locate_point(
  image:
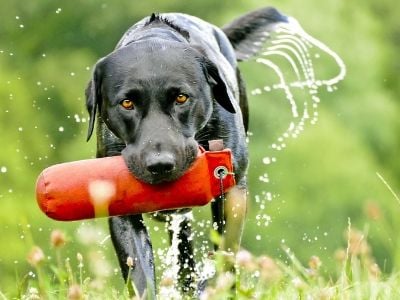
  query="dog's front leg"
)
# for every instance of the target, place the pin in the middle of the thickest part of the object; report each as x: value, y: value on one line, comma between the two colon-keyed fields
x: 130, y: 239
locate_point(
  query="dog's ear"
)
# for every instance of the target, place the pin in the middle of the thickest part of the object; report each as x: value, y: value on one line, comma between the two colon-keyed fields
x: 93, y: 98
x: 221, y: 92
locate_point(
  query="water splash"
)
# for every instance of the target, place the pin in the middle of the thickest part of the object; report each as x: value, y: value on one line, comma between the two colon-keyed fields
x: 292, y: 44
x: 205, y: 265
x: 171, y: 260
x: 291, y: 54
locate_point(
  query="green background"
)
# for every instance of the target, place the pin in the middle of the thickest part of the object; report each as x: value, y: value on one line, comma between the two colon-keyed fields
x: 320, y: 181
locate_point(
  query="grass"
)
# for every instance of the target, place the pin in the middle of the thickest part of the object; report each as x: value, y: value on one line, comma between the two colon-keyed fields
x: 254, y: 277
x: 240, y: 276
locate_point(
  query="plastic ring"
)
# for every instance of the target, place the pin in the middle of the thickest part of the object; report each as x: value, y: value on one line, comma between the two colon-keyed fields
x: 220, y: 172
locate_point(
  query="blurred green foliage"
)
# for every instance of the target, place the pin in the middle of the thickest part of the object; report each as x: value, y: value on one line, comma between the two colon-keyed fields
x: 321, y: 179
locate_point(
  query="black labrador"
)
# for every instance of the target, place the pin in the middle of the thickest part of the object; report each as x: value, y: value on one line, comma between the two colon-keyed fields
x: 171, y: 84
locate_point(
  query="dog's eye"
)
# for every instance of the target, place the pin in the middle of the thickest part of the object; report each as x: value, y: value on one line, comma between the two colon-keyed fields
x: 181, y: 98
x: 127, y: 104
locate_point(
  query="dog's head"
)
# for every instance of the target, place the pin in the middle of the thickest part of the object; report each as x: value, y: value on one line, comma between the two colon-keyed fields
x: 155, y: 96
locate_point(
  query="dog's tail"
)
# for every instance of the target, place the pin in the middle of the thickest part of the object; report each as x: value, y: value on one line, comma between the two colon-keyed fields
x: 248, y: 32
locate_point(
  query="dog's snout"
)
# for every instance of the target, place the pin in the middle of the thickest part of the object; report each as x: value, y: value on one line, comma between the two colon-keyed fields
x: 160, y: 163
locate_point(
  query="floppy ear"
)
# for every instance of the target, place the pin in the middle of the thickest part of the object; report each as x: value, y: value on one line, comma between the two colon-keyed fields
x: 93, y: 99
x: 220, y: 91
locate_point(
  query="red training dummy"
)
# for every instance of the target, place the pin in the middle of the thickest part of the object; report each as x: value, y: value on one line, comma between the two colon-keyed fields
x: 104, y: 187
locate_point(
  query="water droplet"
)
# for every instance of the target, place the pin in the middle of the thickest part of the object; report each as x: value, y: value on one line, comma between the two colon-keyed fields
x: 264, y: 178
x: 60, y: 129
x: 267, y: 88
x: 267, y: 160
x: 268, y: 196
x: 3, y: 169
x: 256, y: 92
x: 58, y: 10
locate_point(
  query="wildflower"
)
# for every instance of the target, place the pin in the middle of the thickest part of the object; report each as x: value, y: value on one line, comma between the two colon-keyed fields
x: 75, y: 292
x: 374, y: 271
x: 244, y: 259
x: 57, y: 238
x: 298, y: 283
x: 270, y: 271
x: 373, y: 211
x: 35, y: 256
x: 340, y: 255
x: 357, y: 245
x: 79, y: 257
x: 314, y: 263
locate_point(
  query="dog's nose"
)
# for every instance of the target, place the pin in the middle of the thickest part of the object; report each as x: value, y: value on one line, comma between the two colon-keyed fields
x: 160, y: 163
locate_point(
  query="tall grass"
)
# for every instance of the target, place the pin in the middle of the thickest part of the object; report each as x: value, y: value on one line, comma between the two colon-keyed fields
x: 240, y: 276
x: 254, y: 277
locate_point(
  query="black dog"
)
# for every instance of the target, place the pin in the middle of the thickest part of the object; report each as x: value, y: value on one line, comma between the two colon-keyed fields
x: 172, y: 84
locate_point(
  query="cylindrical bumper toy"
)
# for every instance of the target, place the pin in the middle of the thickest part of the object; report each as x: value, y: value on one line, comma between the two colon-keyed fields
x: 104, y: 187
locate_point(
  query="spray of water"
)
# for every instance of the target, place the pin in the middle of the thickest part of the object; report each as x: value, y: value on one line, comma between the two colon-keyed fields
x: 293, y: 44
x: 288, y: 56
x: 171, y: 260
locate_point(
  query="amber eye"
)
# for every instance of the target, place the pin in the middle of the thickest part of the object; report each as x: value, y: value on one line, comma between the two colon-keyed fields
x: 181, y: 98
x: 127, y: 104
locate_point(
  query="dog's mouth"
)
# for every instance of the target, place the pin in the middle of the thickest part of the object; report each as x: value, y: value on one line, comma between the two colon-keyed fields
x: 163, y: 171
x: 158, y: 177
x: 168, y: 176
